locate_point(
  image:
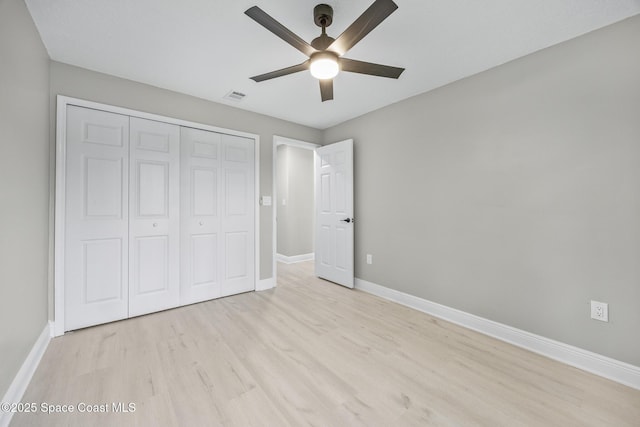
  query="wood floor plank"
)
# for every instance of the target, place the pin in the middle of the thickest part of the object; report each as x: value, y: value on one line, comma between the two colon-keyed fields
x: 310, y: 352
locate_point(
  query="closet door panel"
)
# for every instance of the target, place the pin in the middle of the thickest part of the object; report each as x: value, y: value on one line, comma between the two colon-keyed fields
x: 200, y: 215
x: 96, y: 220
x: 237, y: 222
x: 154, y: 217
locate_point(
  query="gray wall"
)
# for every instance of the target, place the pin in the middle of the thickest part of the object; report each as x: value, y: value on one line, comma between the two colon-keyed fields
x: 24, y: 187
x: 90, y: 85
x: 514, y: 194
x: 295, y: 185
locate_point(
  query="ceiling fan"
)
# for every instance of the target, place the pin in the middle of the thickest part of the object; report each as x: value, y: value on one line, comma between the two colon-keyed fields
x: 325, y: 52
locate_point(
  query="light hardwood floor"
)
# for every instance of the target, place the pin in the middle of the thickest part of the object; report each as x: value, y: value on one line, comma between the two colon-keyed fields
x: 312, y: 353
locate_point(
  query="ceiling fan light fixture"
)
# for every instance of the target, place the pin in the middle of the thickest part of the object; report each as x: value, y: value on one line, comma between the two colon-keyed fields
x: 324, y: 65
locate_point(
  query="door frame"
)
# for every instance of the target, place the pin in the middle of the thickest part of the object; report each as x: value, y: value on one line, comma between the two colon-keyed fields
x: 60, y: 185
x: 278, y: 141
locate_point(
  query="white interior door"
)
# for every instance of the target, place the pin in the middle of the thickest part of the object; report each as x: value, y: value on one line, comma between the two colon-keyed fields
x: 237, y: 258
x: 201, y: 244
x: 96, y: 220
x: 154, y: 228
x: 334, y: 212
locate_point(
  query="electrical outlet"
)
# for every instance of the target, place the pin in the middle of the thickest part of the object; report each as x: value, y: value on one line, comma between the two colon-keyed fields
x: 600, y: 311
x: 369, y: 259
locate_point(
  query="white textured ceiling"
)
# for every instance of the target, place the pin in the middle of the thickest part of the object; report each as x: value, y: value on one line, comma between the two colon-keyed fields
x: 207, y: 48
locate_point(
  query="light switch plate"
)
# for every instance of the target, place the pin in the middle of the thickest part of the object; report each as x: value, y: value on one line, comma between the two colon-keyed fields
x: 265, y: 200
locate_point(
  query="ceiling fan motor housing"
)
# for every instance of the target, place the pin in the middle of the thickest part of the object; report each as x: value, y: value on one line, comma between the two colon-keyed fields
x: 323, y: 15
x: 322, y: 42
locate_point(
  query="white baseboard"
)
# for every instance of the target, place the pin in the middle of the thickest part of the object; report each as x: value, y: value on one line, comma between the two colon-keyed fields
x: 264, y: 284
x: 23, y: 377
x: 296, y: 258
x: 603, y: 366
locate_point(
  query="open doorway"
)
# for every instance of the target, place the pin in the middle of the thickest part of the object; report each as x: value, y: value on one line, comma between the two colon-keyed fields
x: 293, y: 200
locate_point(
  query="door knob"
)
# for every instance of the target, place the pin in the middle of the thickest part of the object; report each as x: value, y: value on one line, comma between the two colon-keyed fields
x: 201, y: 223
x: 348, y: 220
x: 155, y: 224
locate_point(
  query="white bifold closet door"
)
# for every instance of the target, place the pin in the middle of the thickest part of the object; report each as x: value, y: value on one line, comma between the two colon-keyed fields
x: 238, y: 182
x: 200, y: 219
x: 97, y: 218
x: 154, y: 216
x: 217, y: 215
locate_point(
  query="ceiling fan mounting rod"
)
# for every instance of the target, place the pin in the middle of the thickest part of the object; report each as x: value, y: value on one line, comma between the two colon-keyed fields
x: 323, y: 17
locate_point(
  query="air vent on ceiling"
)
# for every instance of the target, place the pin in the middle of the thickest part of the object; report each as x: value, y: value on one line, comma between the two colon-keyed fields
x: 235, y: 96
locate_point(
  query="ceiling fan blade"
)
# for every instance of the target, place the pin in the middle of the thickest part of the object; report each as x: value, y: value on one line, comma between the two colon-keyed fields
x: 262, y: 18
x: 370, y: 68
x: 282, y: 72
x: 371, y: 18
x: 326, y: 89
